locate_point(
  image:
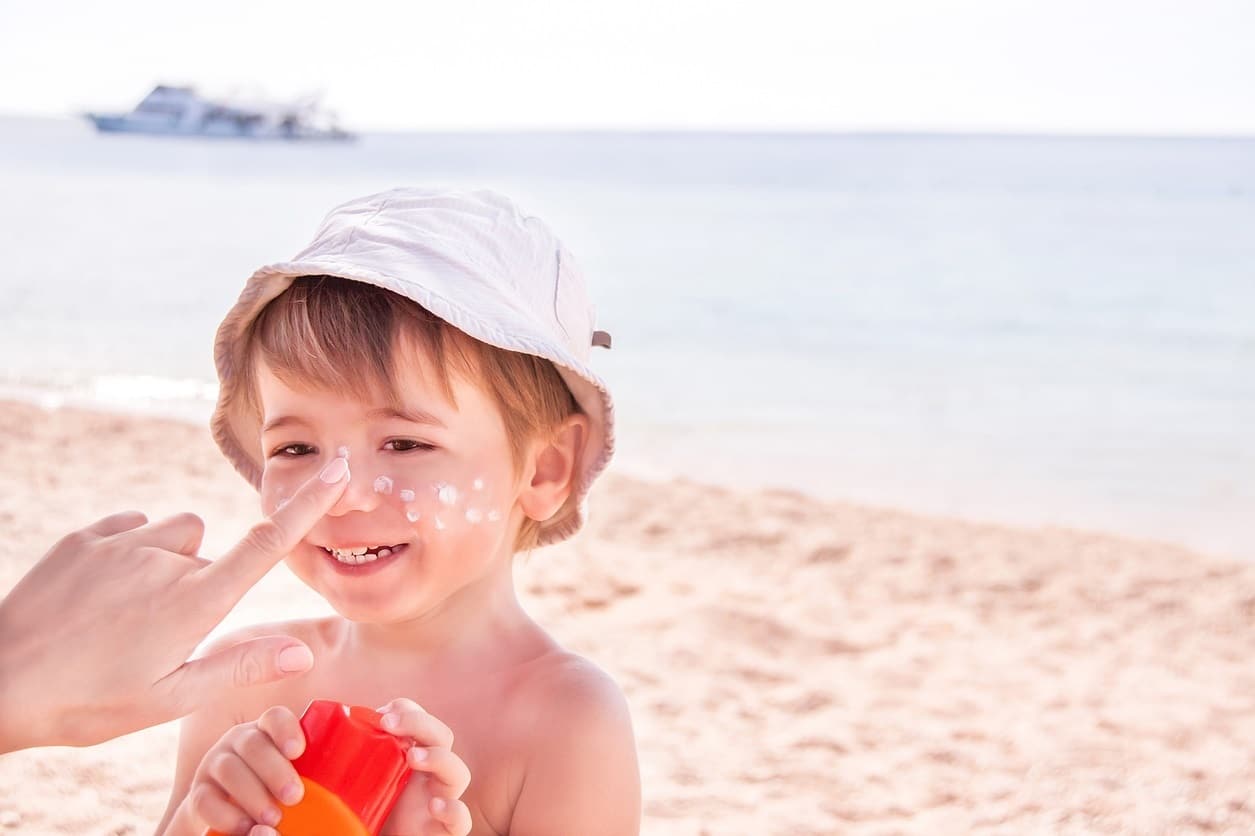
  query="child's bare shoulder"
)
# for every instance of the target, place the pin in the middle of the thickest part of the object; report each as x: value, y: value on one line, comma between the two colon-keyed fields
x: 570, y: 703
x: 561, y: 681
x: 574, y: 732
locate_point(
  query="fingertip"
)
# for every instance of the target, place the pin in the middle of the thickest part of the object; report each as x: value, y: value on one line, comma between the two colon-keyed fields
x: 115, y: 524
x: 292, y: 793
x: 128, y: 520
x: 187, y: 518
x: 185, y: 521
x: 182, y: 533
x: 438, y: 806
x: 337, y: 470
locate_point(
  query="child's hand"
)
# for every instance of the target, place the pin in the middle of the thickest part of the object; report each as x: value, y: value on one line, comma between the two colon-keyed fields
x: 430, y: 804
x: 245, y: 775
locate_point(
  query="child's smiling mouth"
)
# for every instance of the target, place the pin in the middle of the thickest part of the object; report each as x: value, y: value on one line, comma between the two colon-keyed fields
x: 353, y: 559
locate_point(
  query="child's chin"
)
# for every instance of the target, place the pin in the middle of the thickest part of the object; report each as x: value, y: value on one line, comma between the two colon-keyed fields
x: 381, y: 606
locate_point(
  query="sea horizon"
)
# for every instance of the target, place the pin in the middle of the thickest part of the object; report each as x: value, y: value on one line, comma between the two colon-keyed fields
x: 1017, y: 329
x: 905, y: 132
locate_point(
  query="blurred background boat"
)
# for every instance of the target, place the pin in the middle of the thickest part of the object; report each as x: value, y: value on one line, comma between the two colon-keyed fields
x: 181, y: 111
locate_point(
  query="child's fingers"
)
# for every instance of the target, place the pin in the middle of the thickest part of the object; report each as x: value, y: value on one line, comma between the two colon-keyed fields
x: 447, y: 773
x: 244, y: 788
x: 211, y: 806
x: 282, y: 726
x: 452, y: 813
x: 276, y: 773
x: 405, y: 718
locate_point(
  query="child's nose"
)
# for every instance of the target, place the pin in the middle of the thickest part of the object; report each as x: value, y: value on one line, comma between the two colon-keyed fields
x: 360, y: 495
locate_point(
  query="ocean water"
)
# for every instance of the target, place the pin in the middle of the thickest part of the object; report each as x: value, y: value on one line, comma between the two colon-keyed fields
x: 1032, y: 330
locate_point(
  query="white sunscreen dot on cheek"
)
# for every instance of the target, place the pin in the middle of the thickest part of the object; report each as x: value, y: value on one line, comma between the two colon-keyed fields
x: 342, y: 452
x: 474, y: 515
x: 439, y: 524
x: 413, y: 516
x: 446, y: 493
x: 494, y: 515
x: 478, y: 484
x: 383, y: 485
x: 407, y: 495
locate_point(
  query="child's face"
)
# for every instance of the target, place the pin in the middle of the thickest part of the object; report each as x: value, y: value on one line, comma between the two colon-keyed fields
x: 432, y: 493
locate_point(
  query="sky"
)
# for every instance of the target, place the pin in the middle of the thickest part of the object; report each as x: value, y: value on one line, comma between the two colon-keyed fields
x: 1067, y: 66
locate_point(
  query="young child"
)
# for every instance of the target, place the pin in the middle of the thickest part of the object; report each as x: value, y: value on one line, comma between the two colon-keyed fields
x: 436, y: 345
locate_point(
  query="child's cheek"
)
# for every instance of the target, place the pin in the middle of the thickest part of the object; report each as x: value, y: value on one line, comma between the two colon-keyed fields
x: 273, y: 496
x: 279, y: 482
x: 438, y: 502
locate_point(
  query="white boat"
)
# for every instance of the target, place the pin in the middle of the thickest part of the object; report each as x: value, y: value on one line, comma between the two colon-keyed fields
x: 181, y: 111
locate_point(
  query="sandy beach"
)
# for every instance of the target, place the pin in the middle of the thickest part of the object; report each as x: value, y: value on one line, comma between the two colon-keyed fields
x: 793, y: 666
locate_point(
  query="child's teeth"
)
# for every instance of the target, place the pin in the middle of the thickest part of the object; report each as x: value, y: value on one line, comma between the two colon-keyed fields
x: 360, y: 555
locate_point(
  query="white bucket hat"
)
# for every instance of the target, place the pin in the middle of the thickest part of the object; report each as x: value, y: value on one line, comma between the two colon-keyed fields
x: 475, y: 260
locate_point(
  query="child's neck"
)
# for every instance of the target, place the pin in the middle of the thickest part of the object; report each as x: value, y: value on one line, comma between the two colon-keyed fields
x: 480, y: 618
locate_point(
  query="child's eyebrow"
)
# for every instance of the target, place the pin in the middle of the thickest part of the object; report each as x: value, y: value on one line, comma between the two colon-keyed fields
x: 416, y: 416
x: 283, y: 421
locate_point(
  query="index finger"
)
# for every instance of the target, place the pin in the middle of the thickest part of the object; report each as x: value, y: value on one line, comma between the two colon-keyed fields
x: 268, y: 542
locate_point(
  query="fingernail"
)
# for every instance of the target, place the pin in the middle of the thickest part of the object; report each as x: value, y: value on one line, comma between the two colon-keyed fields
x: 437, y: 805
x: 295, y: 659
x: 335, y: 470
x: 270, y: 816
x: 264, y: 831
x: 292, y: 749
x: 418, y: 754
x: 390, y: 721
x: 292, y: 793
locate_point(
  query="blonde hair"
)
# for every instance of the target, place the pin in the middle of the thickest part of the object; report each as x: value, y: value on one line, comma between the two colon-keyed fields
x: 341, y: 335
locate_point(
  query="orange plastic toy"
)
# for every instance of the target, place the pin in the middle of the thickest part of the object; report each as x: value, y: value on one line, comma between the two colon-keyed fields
x: 352, y: 770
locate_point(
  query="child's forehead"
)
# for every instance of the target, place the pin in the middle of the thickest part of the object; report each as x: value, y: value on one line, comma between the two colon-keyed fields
x: 417, y: 384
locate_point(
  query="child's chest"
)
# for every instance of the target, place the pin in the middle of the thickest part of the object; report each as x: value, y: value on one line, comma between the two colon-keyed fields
x: 478, y: 715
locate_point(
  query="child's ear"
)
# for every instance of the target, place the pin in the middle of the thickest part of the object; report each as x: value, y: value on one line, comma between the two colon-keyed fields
x: 551, y: 469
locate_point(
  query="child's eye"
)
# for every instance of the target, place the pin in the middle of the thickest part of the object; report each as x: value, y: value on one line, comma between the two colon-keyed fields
x: 292, y: 451
x: 406, y: 445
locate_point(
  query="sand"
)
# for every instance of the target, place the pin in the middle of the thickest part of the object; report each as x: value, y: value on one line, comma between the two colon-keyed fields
x: 793, y: 666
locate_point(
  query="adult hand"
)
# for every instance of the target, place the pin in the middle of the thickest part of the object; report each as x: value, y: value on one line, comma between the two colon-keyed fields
x: 95, y: 639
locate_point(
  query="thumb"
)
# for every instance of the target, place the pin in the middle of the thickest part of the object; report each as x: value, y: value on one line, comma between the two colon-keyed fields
x: 227, y: 579
x: 251, y: 662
